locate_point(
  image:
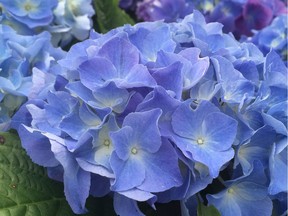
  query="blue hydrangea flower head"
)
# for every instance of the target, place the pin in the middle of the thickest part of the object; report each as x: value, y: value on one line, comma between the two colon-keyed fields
x: 152, y: 112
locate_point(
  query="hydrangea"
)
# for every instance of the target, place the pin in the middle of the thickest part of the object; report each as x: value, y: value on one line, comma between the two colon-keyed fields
x: 244, y: 195
x: 33, y: 13
x: 200, y: 135
x: 273, y: 36
x: 65, y: 20
x: 72, y: 19
x: 21, y: 55
x: 239, y: 17
x: 156, y: 112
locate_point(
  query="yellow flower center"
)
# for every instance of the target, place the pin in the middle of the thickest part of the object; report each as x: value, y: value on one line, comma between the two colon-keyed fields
x: 107, y: 142
x: 200, y: 141
x: 28, y: 6
x: 134, y: 151
x: 231, y: 191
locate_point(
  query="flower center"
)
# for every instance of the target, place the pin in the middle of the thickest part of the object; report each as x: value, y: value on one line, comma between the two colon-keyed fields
x: 200, y: 141
x: 231, y: 190
x: 107, y: 142
x: 134, y: 151
x: 28, y: 7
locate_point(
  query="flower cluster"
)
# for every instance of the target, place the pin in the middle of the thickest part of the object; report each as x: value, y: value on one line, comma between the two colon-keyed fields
x: 65, y: 19
x: 156, y: 112
x: 238, y: 16
x: 273, y: 36
x: 19, y: 56
x: 28, y: 59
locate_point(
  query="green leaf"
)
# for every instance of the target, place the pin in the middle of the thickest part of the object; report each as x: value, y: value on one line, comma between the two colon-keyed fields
x: 109, y: 15
x: 25, y: 189
x: 203, y: 210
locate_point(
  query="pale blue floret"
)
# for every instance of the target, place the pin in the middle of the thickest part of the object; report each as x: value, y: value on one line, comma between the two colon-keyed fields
x: 204, y: 135
x: 33, y: 13
x: 72, y: 19
x: 97, y: 148
x: 150, y: 41
x: 19, y: 56
x: 256, y: 148
x: 244, y: 195
x: 140, y: 155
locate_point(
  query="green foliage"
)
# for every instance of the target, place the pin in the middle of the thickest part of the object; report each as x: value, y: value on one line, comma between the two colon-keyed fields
x: 25, y: 189
x: 203, y: 210
x: 109, y: 15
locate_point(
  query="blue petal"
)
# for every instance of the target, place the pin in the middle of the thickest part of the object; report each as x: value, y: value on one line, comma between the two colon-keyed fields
x: 110, y: 96
x: 151, y: 42
x: 97, y: 72
x: 256, y: 149
x: 187, y: 122
x: 126, y: 206
x: 100, y: 186
x: 225, y: 204
x: 145, y: 127
x: 219, y: 130
x: 80, y: 90
x: 170, y: 78
x: 159, y: 98
x: 76, y: 181
x: 37, y: 146
x: 122, y: 54
x: 139, y: 195
x: 123, y: 141
x: 162, y: 171
x: 138, y: 76
x: 128, y: 174
x: 278, y: 171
